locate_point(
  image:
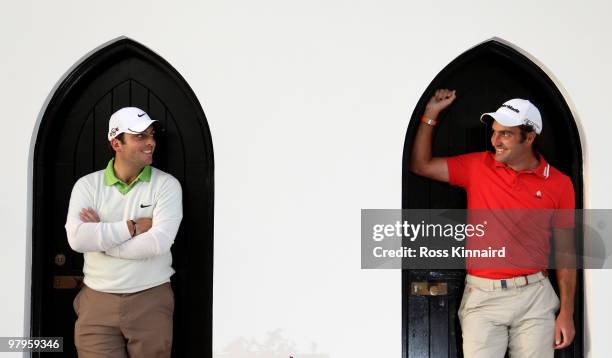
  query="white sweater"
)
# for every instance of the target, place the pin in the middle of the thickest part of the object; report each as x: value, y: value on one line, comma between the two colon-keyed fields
x: 114, y: 261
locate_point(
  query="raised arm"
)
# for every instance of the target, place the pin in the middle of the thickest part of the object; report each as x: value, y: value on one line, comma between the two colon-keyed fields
x: 421, y: 161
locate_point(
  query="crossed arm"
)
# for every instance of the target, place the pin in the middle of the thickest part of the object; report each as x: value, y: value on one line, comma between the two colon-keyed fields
x: 154, y: 236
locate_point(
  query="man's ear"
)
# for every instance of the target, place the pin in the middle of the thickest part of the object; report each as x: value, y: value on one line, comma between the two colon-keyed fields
x: 531, y: 137
x: 115, y: 144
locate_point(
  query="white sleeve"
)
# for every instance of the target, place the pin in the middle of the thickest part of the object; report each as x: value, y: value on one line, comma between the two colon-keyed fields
x: 167, y: 216
x: 89, y: 237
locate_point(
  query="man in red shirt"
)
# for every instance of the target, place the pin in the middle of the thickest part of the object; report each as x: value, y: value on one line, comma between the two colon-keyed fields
x: 511, y: 305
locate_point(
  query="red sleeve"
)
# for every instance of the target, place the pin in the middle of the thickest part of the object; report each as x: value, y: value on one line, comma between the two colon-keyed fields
x: 564, y: 215
x: 461, y: 167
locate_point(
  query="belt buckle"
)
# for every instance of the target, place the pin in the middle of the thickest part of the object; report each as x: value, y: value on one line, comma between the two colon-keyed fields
x: 517, y: 284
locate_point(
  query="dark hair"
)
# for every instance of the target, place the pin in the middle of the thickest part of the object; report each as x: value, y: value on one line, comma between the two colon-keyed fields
x: 526, y: 129
x: 119, y: 137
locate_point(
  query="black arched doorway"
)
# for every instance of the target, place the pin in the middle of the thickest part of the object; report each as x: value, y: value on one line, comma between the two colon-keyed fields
x: 484, y: 77
x: 71, y: 142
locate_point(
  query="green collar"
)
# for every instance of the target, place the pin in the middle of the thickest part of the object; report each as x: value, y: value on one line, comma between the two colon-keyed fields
x: 111, y: 179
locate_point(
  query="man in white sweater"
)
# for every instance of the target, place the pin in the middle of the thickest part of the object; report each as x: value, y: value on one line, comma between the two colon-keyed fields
x: 124, y: 220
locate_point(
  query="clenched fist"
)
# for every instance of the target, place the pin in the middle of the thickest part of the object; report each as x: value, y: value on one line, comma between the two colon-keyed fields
x: 438, y: 102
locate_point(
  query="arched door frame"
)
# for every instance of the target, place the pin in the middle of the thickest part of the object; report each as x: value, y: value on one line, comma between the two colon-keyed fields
x: 535, y: 69
x: 87, y: 69
x: 30, y: 183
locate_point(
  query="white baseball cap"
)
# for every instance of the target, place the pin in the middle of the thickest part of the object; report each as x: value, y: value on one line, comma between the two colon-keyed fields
x: 516, y: 112
x: 128, y: 120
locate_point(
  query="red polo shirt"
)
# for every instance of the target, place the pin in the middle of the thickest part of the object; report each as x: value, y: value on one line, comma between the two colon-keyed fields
x: 493, y: 185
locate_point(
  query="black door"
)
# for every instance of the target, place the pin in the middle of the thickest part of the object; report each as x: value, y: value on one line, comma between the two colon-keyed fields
x: 484, y: 77
x: 72, y: 142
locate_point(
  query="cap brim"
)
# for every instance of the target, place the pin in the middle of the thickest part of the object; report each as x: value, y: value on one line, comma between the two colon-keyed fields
x: 141, y: 127
x: 501, y: 118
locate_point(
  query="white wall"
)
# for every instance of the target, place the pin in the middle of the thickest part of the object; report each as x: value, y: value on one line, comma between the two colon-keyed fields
x: 308, y: 103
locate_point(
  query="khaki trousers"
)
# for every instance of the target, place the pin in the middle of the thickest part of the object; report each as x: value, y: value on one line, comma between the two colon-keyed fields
x: 519, y: 318
x: 124, y: 325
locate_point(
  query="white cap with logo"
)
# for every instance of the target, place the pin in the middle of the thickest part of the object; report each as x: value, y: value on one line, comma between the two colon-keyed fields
x: 516, y: 112
x: 128, y: 120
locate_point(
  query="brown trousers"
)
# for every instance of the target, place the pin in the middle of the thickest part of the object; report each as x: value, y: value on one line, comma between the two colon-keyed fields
x: 132, y: 325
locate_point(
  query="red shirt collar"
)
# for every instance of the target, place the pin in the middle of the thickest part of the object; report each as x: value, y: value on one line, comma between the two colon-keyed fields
x: 542, y: 170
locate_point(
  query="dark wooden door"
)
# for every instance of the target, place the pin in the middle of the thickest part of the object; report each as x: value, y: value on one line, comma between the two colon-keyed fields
x: 72, y: 142
x: 484, y: 77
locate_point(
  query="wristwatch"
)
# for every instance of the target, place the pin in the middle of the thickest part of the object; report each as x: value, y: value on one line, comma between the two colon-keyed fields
x: 134, y: 226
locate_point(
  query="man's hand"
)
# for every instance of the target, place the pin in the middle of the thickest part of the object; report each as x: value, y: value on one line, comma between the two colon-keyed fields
x: 440, y: 100
x: 88, y: 215
x: 564, y: 330
x: 143, y: 225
